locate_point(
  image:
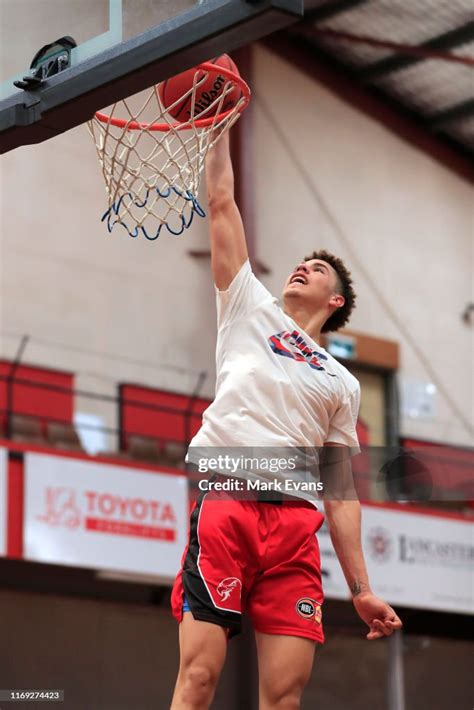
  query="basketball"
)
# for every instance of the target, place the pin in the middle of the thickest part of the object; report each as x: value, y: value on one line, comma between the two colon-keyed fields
x: 207, y: 92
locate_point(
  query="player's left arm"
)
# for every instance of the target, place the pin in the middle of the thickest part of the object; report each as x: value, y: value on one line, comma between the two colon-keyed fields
x: 343, y: 514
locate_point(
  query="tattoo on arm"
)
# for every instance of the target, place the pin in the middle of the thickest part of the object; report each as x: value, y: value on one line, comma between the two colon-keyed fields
x: 355, y: 588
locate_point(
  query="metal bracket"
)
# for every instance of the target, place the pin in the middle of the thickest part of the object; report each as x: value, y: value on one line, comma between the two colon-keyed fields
x: 50, y: 60
x: 28, y: 82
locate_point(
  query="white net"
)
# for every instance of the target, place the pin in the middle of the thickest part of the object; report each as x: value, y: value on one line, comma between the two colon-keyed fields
x: 151, y: 164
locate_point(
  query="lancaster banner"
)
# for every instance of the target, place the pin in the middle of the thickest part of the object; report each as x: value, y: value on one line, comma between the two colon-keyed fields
x: 3, y: 501
x: 106, y: 517
x: 413, y: 559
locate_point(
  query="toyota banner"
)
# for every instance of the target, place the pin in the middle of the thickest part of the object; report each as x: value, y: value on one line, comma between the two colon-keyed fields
x: 104, y: 516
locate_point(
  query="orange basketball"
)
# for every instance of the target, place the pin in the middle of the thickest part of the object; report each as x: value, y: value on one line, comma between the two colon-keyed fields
x: 206, y: 93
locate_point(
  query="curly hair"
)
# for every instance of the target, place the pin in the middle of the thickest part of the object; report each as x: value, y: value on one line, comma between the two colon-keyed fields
x: 344, y: 287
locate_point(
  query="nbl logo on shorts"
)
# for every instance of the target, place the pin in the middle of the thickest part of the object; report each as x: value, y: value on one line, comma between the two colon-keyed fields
x: 309, y: 609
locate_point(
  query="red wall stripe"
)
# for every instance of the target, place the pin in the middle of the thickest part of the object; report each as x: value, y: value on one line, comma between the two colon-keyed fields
x: 15, y: 487
x: 418, y: 510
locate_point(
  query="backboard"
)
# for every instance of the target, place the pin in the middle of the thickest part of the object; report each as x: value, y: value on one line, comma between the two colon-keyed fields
x: 123, y: 46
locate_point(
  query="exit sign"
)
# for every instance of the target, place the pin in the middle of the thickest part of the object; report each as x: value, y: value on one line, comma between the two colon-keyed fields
x: 341, y: 346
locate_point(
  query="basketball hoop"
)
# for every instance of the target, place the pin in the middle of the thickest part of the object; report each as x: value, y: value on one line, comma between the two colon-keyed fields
x: 151, y: 163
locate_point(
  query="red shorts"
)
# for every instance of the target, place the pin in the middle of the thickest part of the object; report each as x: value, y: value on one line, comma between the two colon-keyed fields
x: 253, y: 557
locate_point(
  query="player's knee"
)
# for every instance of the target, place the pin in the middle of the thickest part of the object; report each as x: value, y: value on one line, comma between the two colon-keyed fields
x: 198, y: 681
x: 285, y: 695
x: 288, y: 700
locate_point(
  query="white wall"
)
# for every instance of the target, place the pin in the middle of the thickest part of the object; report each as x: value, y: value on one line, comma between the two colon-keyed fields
x: 112, y: 308
x: 329, y: 176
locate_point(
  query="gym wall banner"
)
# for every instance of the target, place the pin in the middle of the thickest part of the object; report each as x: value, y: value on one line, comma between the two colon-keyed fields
x: 413, y: 559
x: 3, y: 501
x: 103, y: 516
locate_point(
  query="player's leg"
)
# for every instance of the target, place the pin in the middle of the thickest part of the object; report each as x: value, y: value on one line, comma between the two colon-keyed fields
x: 202, y: 648
x: 285, y: 603
x: 284, y: 667
x: 206, y: 595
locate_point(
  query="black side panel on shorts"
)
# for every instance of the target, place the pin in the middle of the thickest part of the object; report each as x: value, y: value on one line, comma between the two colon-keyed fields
x: 200, y: 602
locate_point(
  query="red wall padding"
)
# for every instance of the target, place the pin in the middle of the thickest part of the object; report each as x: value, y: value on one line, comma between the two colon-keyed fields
x: 450, y: 467
x: 165, y: 425
x: 15, y: 499
x: 38, y: 401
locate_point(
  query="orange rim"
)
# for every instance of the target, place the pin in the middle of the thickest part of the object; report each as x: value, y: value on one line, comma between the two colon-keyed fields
x: 199, y: 123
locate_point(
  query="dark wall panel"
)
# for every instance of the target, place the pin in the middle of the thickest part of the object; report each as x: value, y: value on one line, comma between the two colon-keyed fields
x: 124, y: 656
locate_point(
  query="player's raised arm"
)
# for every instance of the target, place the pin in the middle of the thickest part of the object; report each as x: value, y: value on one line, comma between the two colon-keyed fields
x: 228, y: 245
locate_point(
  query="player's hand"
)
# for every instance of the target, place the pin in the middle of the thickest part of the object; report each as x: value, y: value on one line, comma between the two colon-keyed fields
x: 377, y: 614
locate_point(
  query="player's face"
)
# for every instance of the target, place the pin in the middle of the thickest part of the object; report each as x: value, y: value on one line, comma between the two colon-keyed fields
x: 314, y: 280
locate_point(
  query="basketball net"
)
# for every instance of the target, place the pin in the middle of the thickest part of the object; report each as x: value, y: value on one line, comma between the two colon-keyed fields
x: 152, y: 165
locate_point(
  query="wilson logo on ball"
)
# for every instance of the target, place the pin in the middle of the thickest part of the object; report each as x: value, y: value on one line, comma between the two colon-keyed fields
x: 207, y: 97
x: 209, y: 87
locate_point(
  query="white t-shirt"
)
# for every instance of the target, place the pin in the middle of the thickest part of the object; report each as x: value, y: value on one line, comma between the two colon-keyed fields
x: 275, y: 386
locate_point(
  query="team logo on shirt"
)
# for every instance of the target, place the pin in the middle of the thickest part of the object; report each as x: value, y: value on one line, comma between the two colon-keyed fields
x: 309, y: 609
x: 294, y: 346
x: 227, y: 586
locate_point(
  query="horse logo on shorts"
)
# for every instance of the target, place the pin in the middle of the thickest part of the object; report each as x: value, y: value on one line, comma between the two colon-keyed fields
x: 227, y: 586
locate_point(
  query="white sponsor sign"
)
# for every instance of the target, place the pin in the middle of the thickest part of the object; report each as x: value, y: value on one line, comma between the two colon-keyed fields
x: 413, y: 560
x: 103, y: 516
x: 3, y: 501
